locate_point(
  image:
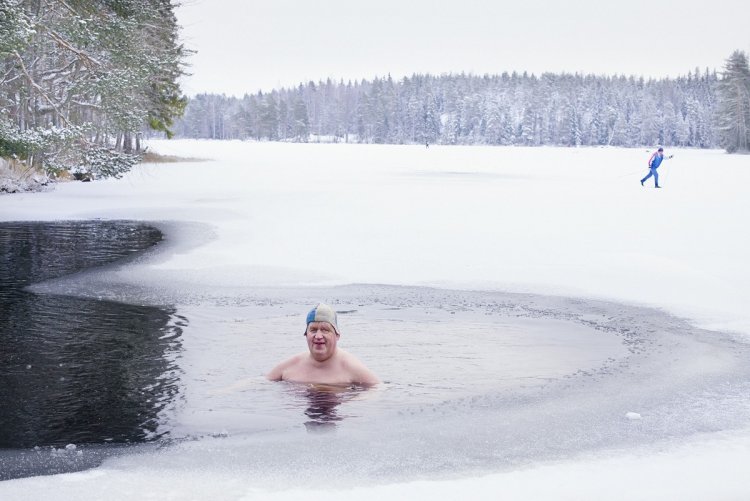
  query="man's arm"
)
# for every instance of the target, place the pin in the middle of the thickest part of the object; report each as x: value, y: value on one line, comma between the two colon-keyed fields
x: 367, y: 377
x: 359, y: 373
x: 277, y: 373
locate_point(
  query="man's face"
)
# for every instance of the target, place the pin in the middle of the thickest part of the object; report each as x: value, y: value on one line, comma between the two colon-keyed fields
x: 321, y: 340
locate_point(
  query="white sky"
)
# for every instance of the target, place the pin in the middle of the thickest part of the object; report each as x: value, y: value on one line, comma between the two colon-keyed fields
x: 250, y: 45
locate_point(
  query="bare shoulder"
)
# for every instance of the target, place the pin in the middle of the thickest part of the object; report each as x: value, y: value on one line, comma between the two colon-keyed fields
x: 357, y: 370
x: 276, y: 374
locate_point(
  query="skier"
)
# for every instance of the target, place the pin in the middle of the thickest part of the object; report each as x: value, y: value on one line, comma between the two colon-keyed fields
x: 653, y: 163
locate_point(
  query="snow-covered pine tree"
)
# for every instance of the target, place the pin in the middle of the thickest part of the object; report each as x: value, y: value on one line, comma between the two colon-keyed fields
x: 733, y: 114
x: 81, y: 79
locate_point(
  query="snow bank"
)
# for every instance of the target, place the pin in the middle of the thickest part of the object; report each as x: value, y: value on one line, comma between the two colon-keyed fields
x: 14, y: 180
x: 709, y: 468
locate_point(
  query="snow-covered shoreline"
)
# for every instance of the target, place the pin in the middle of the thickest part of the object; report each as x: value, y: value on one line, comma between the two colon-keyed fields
x: 15, y: 180
x: 547, y: 221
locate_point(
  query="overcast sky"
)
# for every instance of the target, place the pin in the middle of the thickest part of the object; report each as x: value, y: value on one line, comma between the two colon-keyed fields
x: 247, y: 45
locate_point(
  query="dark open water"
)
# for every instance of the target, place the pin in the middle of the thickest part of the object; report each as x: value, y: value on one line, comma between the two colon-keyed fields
x: 72, y: 370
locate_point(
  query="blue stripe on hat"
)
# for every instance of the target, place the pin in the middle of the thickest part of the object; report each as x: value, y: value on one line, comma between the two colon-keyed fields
x: 323, y: 313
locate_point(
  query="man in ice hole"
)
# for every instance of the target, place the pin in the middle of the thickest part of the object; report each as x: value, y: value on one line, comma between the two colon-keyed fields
x: 325, y: 363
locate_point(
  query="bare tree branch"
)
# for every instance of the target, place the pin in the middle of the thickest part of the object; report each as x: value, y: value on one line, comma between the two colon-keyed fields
x: 39, y: 88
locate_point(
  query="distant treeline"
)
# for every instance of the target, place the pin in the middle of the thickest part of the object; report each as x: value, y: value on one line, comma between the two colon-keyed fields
x: 506, y: 109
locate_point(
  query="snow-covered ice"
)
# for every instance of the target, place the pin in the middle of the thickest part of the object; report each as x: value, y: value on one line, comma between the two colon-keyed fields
x: 567, y: 223
x: 553, y: 220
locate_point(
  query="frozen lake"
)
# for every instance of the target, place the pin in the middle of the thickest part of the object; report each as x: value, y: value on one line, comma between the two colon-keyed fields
x: 540, y: 306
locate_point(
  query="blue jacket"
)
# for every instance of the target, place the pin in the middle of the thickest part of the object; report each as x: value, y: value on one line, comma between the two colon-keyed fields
x: 655, y: 161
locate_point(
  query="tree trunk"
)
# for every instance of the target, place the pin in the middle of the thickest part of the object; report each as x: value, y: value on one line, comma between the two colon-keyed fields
x: 127, y: 142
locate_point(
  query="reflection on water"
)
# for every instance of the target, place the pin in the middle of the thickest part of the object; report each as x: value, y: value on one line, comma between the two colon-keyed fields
x: 322, y: 404
x: 77, y: 370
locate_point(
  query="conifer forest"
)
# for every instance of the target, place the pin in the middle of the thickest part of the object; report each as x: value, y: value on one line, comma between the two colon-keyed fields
x: 503, y: 109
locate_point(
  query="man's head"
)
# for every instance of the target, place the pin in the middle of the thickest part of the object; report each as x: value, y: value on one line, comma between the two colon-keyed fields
x: 660, y: 150
x: 322, y: 332
x: 323, y: 313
